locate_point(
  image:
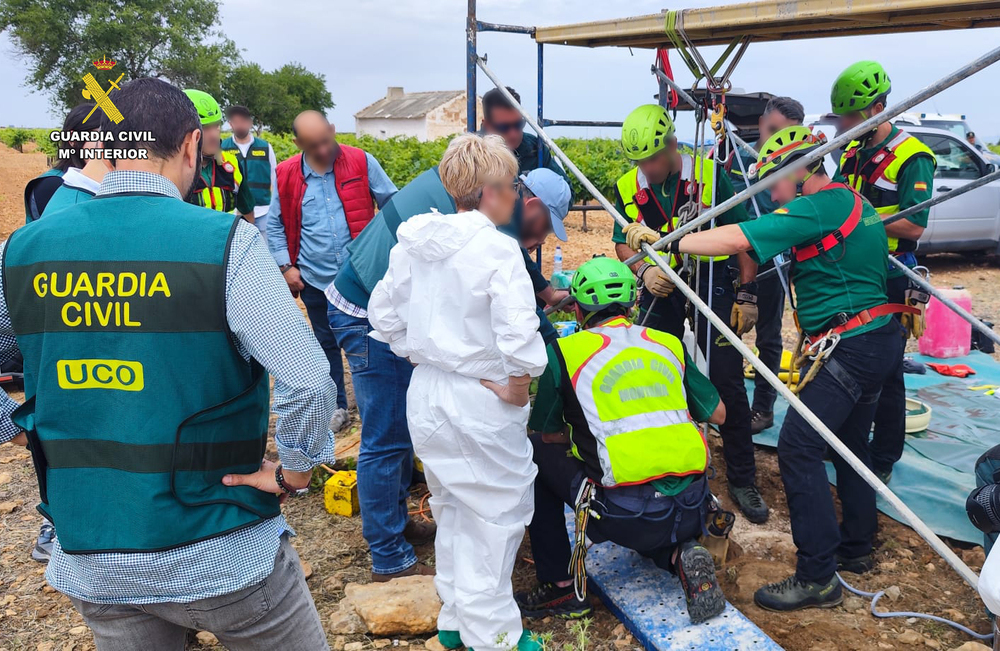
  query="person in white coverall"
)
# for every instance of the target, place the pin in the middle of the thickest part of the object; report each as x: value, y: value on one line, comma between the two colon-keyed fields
x: 458, y: 303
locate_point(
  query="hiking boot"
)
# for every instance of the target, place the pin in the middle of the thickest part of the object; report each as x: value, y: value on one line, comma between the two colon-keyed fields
x: 696, y: 570
x: 761, y: 420
x: 43, y: 545
x: 750, y: 502
x: 792, y: 594
x: 417, y: 569
x: 419, y: 533
x: 549, y: 599
x: 450, y: 640
x: 856, y: 565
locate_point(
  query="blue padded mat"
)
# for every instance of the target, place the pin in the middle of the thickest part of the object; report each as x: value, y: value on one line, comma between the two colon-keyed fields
x: 650, y: 602
x: 936, y: 473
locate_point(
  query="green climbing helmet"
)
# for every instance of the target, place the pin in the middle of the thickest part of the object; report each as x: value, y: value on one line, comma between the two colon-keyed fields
x: 646, y: 131
x: 603, y: 282
x: 858, y: 87
x: 208, y: 108
x: 784, y: 147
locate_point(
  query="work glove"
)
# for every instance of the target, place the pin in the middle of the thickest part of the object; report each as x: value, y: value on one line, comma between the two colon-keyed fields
x: 915, y: 323
x: 515, y: 392
x: 656, y: 281
x: 636, y: 234
x: 744, y: 314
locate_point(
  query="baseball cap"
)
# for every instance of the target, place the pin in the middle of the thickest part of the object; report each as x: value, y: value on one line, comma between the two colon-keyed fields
x: 554, y: 192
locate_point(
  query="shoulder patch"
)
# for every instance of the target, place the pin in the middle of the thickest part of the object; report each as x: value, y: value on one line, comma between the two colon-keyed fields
x: 228, y: 167
x: 920, y: 185
x: 781, y: 211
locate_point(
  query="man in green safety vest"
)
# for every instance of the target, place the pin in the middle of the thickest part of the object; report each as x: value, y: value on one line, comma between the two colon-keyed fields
x: 894, y: 171
x: 258, y: 161
x: 614, y: 413
x: 220, y: 184
x: 839, y: 246
x: 656, y: 196
x: 149, y: 329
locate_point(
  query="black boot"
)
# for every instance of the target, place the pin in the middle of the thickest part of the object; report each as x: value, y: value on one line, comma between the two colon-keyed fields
x: 696, y: 570
x: 792, y: 594
x: 549, y: 599
x: 750, y: 502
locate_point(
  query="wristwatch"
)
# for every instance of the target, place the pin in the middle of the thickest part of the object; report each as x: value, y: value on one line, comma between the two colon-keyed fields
x: 285, y: 267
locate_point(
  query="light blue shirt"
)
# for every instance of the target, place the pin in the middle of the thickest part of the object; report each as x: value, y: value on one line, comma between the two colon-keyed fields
x: 268, y: 326
x: 325, y: 234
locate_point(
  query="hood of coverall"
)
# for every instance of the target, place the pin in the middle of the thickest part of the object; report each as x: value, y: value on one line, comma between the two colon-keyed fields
x: 435, y: 236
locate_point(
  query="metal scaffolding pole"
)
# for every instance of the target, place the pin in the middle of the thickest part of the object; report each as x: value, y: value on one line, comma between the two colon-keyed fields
x: 838, y: 446
x: 817, y: 153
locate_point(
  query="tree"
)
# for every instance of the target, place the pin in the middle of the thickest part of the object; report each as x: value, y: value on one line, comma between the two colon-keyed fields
x: 275, y: 98
x: 176, y: 40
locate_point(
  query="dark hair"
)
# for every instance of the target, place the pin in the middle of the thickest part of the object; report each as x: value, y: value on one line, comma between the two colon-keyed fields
x: 607, y: 313
x: 237, y: 109
x: 788, y: 107
x: 496, y: 99
x: 74, y: 122
x: 155, y: 106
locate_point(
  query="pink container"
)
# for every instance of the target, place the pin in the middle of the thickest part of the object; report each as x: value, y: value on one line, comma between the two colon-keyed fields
x: 947, y: 334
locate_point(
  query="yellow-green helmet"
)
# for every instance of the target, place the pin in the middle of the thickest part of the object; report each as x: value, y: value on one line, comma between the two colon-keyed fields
x: 646, y: 131
x: 208, y: 108
x: 783, y: 147
x: 603, y: 282
x: 858, y: 87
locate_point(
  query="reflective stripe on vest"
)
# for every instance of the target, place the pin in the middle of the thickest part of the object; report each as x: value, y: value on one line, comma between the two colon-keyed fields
x: 629, y: 381
x: 877, y: 180
x: 630, y: 183
x: 257, y: 163
x: 220, y: 193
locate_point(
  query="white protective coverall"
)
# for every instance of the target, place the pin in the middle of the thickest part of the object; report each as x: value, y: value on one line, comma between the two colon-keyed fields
x: 458, y: 302
x: 989, y: 580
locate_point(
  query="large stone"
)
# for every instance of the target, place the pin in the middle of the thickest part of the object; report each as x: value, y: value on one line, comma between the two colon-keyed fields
x: 972, y: 646
x: 205, y: 638
x: 345, y: 620
x: 909, y: 636
x: 406, y: 606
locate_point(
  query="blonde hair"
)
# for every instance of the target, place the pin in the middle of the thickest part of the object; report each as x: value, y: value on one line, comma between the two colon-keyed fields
x: 472, y: 162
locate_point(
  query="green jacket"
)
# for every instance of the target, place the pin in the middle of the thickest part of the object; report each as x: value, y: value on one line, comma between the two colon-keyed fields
x: 136, y: 399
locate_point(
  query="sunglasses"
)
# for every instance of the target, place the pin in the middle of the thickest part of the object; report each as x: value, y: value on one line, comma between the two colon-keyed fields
x: 509, y: 126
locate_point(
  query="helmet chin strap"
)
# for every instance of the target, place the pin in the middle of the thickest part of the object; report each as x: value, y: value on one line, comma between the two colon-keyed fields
x: 800, y: 184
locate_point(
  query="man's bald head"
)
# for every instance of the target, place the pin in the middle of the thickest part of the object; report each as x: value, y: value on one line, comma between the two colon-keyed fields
x: 316, y: 137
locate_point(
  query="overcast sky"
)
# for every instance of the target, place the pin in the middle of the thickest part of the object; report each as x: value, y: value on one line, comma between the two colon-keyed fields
x: 363, y: 46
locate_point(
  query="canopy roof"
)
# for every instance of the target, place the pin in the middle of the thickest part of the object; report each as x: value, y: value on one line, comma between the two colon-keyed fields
x: 779, y: 20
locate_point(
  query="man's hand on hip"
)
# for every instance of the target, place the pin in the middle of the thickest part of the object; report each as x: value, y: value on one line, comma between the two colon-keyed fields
x: 264, y: 479
x: 294, y: 280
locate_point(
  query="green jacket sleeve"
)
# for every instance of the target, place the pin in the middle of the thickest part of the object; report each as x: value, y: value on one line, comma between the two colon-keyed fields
x: 701, y: 394
x: 547, y: 413
x: 916, y: 185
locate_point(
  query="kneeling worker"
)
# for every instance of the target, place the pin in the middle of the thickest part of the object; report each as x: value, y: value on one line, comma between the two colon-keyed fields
x: 839, y: 246
x: 611, y: 416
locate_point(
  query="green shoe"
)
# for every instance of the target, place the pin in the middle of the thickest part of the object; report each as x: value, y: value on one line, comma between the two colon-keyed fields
x: 450, y: 639
x: 792, y: 594
x: 750, y: 502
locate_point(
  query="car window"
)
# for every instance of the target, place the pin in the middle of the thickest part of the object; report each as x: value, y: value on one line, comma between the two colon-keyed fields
x: 954, y: 160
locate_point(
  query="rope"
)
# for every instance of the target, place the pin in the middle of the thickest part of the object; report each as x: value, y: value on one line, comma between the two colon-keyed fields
x: 875, y: 596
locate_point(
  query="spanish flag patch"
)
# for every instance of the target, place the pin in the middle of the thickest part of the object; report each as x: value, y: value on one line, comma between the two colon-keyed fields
x: 781, y: 211
x: 919, y: 185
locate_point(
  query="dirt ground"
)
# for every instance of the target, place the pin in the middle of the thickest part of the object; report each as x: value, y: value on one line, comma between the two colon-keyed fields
x: 35, y: 617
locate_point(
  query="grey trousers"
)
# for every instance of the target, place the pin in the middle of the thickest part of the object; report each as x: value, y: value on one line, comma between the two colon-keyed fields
x: 277, y: 613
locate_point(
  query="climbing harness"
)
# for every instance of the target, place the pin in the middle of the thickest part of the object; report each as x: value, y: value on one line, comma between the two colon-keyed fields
x: 578, y: 560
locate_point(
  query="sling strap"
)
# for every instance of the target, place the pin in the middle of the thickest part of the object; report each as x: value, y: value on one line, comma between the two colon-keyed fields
x: 837, y: 236
x: 864, y: 317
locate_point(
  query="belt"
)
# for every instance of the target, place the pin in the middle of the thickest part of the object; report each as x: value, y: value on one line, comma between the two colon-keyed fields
x: 843, y: 323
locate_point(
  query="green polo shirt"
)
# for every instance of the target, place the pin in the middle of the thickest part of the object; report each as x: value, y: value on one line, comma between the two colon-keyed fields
x: 664, y: 194
x: 914, y: 185
x: 848, y: 278
x: 557, y: 406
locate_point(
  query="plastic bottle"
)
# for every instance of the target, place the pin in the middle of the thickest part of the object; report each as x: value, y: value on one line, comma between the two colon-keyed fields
x: 557, y: 261
x: 947, y: 334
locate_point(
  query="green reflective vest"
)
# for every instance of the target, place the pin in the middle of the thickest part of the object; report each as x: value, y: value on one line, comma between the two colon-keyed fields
x: 216, y: 185
x: 631, y: 183
x: 136, y: 399
x: 257, y: 166
x: 66, y: 196
x: 629, y: 381
x: 877, y: 179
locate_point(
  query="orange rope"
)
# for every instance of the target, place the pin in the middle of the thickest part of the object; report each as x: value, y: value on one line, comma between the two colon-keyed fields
x: 423, y: 510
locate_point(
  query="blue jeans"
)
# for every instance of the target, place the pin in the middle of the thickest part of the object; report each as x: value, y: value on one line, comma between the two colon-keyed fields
x: 316, y: 304
x: 385, y: 462
x: 844, y: 395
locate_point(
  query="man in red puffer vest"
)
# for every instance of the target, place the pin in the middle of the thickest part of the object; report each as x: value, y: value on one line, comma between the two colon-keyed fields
x: 326, y: 196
